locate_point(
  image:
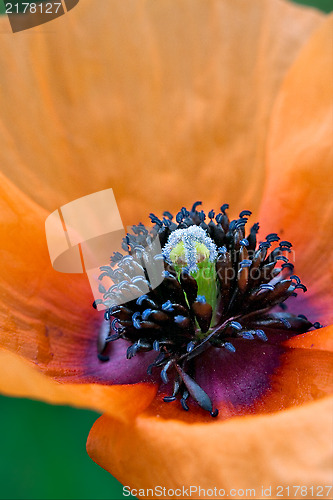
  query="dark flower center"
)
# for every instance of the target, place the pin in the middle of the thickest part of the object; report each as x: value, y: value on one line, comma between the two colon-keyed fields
x: 216, y: 284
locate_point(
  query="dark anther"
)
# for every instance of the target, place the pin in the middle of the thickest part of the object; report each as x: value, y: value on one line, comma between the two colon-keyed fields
x: 303, y: 287
x: 245, y: 213
x: 184, y: 404
x: 114, y: 326
x: 224, y: 207
x: 156, y: 345
x: 167, y: 222
x: 264, y: 244
x: 195, y: 205
x: 169, y: 399
x: 266, y: 286
x: 302, y: 316
x: 244, y: 242
x: 158, y: 257
x: 124, y: 245
x: 103, y: 358
x: 272, y: 237
x: 132, y: 350
x: 285, y: 244
x: 222, y: 250
x: 141, y: 299
x: 146, y: 313
x: 114, y: 309
x: 240, y: 223
x: 135, y: 321
x: 235, y: 325
x: 295, y: 277
x: 261, y: 335
x: 190, y: 346
x: 179, y: 217
x: 215, y: 413
x: 282, y: 258
x: 317, y: 325
x: 168, y: 215
x: 155, y: 220
x: 181, y: 321
x: 285, y: 322
x: 288, y: 265
x: 202, y: 216
x: 211, y: 214
x: 247, y: 335
x: 229, y: 347
x: 164, y: 376
x: 167, y: 306
x: 245, y: 263
x: 116, y: 257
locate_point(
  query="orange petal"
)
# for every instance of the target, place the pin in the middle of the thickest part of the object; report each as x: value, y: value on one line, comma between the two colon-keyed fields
x: 305, y: 373
x: 20, y: 379
x: 321, y: 339
x: 38, y: 305
x: 288, y: 448
x: 46, y: 316
x: 166, y: 105
x: 298, y: 202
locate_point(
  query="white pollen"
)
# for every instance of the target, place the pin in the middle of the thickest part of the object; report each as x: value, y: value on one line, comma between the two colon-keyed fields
x: 189, y: 237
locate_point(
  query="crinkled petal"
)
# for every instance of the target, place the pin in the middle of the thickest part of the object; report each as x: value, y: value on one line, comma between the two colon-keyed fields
x: 46, y: 316
x: 298, y: 202
x: 20, y: 379
x: 321, y: 339
x: 293, y: 447
x: 165, y: 103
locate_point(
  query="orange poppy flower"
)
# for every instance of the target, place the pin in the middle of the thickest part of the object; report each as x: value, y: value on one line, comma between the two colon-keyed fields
x: 220, y: 101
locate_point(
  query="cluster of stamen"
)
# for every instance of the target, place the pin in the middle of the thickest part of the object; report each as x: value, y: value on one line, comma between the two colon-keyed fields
x: 217, y: 284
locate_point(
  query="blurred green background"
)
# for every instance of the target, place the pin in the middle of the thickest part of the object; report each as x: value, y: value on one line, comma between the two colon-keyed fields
x: 42, y: 451
x: 325, y: 5
x: 43, y: 454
